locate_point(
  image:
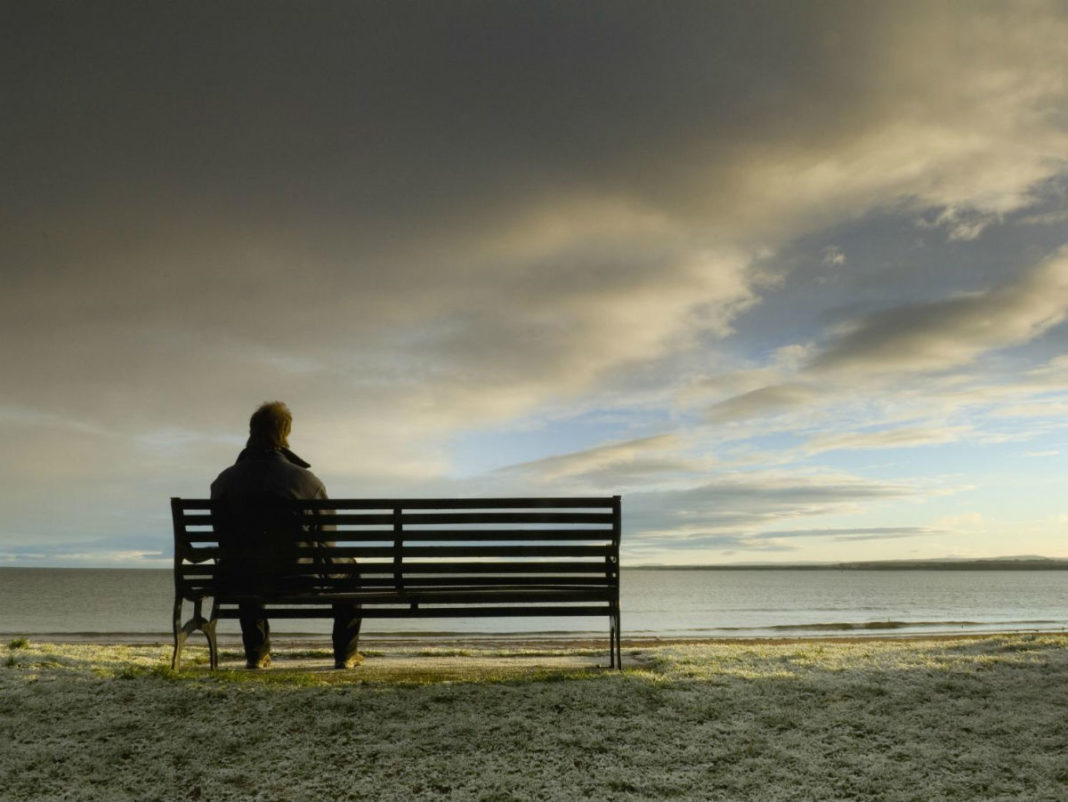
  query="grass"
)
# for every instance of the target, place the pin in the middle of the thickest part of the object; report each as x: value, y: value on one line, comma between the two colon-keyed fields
x: 977, y: 718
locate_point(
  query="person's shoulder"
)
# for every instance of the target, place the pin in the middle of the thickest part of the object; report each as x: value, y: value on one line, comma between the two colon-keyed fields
x: 222, y: 480
x: 313, y: 485
x: 301, y: 481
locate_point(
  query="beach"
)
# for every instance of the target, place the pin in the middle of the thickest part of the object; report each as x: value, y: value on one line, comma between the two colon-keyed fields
x: 972, y: 717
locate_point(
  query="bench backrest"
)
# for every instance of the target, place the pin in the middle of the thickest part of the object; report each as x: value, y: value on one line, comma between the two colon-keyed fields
x: 402, y: 545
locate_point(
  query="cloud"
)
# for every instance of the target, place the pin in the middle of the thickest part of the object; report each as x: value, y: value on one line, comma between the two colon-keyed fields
x: 616, y: 466
x: 643, y: 551
x: 411, y: 225
x: 1043, y: 219
x: 966, y: 520
x: 87, y: 554
x: 131, y: 559
x: 746, y: 512
x: 949, y: 333
x: 763, y: 401
x: 506, y: 224
x: 846, y: 534
x: 832, y: 256
x: 904, y: 437
x: 1052, y: 374
x: 740, y: 503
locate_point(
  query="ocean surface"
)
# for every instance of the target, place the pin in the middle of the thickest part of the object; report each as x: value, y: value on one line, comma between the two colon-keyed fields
x: 666, y: 603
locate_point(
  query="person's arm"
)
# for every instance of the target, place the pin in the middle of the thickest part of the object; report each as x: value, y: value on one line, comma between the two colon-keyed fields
x: 354, y: 575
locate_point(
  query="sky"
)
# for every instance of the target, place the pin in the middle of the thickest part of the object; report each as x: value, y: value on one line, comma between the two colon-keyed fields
x: 792, y: 278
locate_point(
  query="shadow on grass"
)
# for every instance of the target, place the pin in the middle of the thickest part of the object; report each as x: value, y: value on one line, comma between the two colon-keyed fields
x: 426, y: 666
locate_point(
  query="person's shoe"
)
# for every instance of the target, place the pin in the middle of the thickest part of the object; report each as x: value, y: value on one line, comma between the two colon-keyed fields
x: 352, y: 662
x: 263, y: 662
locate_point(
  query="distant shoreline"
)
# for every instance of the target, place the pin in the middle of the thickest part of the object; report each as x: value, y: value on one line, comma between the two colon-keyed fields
x: 1038, y: 564
x: 983, y: 564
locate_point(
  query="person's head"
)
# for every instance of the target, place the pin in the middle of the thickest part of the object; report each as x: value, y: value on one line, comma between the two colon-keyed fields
x: 269, y: 426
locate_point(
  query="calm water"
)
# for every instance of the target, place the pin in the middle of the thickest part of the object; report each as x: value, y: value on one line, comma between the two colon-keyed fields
x: 667, y: 603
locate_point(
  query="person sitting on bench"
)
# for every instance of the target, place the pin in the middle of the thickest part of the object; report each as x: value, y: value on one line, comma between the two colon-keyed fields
x: 253, y: 491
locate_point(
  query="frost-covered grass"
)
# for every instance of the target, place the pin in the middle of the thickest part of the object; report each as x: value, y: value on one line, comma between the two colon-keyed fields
x: 979, y: 718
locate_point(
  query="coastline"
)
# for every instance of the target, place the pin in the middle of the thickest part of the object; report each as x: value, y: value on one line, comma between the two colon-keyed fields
x: 524, y: 640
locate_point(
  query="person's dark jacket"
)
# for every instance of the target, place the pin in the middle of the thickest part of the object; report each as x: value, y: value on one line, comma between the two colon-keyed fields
x: 276, y: 471
x: 261, y: 538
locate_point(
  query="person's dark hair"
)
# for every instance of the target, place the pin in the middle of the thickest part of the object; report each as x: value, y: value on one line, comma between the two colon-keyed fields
x: 269, y: 426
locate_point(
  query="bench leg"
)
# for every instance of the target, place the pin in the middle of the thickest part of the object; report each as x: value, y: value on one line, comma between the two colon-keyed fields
x: 213, y: 641
x: 183, y: 631
x: 617, y: 643
x: 612, y: 640
x: 179, y: 636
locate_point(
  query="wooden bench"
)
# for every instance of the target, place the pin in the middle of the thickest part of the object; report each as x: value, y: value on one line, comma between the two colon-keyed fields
x: 414, y: 558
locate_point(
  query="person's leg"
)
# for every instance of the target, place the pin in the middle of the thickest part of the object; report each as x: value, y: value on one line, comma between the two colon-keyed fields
x: 346, y: 636
x: 255, y: 635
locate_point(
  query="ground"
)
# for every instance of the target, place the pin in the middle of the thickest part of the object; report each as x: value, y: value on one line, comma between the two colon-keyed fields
x: 894, y: 719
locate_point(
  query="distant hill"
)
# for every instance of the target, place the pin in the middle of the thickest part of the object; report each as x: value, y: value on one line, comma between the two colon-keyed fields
x: 986, y: 564
x: 1021, y: 563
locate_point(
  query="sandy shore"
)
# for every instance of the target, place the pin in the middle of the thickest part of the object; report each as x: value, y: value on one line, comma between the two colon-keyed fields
x: 882, y: 718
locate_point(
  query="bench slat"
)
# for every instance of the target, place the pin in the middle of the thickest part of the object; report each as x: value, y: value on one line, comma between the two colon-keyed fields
x: 496, y: 567
x: 496, y: 611
x: 430, y: 581
x: 425, y: 518
x: 483, y: 595
x: 436, y: 518
x: 421, y: 582
x: 477, y: 535
x: 486, y: 550
x: 599, y: 502
x: 382, y: 577
x: 550, y: 502
x: 441, y: 535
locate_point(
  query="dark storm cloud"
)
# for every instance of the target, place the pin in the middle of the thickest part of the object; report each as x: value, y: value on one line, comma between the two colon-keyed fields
x: 205, y: 166
x: 399, y: 107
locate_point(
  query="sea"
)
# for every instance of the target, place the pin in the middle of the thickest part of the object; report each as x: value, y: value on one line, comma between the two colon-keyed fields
x: 697, y: 603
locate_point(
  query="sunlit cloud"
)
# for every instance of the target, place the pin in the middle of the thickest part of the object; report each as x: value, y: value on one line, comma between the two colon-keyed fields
x: 763, y: 401
x: 637, y: 463
x: 907, y: 437
x: 849, y: 534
